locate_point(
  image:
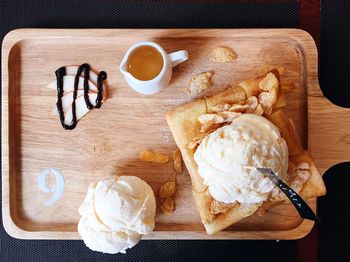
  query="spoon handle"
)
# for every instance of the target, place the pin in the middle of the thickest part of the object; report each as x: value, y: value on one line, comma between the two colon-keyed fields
x: 301, y: 206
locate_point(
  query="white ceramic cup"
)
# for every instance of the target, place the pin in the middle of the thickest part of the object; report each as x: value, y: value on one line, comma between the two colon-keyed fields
x: 162, y: 79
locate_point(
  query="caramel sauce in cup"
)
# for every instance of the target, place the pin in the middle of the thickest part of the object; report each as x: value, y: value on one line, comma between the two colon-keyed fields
x: 147, y: 68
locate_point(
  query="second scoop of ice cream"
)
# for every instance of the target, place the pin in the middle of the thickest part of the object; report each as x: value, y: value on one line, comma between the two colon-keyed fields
x: 116, y: 212
x: 222, y: 156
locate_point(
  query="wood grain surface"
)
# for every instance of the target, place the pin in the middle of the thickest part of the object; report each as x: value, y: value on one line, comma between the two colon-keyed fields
x: 107, y: 141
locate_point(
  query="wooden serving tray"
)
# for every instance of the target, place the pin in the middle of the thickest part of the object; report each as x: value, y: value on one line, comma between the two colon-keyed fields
x: 108, y: 141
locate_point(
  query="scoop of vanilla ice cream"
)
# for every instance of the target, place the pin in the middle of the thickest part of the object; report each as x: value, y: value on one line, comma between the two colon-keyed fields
x: 115, y: 213
x: 223, y: 155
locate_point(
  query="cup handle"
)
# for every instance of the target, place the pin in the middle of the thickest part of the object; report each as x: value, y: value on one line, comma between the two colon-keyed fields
x: 178, y: 57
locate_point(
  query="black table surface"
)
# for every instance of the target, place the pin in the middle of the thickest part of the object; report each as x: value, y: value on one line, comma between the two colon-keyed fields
x: 334, y: 71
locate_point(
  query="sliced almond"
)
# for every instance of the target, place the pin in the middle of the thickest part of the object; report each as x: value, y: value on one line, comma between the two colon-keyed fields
x: 177, y: 158
x: 238, y: 108
x: 199, y: 83
x: 221, y: 107
x: 161, y: 158
x: 167, y: 189
x: 269, y: 82
x: 229, y: 116
x: 147, y: 156
x: 150, y: 156
x: 209, y: 121
x: 252, y: 101
x: 222, y: 54
x: 210, y: 117
x: 250, y: 105
x: 168, y: 206
x: 267, y: 100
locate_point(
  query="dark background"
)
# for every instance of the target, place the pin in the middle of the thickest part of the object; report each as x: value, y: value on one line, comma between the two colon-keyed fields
x: 331, y: 236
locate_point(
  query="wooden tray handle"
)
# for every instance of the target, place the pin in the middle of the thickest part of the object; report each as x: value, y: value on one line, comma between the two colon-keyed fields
x: 328, y: 130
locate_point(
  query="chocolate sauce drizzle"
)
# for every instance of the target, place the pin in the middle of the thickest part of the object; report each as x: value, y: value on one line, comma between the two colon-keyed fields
x: 84, y: 68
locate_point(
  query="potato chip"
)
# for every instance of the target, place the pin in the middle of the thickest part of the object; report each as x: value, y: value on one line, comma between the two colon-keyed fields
x: 177, y: 158
x: 167, y: 189
x: 168, y: 206
x: 150, y: 156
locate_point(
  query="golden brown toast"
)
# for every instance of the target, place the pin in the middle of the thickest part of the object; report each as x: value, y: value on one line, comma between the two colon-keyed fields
x: 302, y: 172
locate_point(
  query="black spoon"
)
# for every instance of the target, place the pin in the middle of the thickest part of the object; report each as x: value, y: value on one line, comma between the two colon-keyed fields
x: 304, y: 210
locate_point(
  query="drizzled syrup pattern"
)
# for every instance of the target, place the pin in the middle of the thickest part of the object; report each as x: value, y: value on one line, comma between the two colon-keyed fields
x: 85, y: 69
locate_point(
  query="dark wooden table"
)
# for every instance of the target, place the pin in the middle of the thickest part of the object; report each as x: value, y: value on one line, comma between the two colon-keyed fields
x: 310, y: 22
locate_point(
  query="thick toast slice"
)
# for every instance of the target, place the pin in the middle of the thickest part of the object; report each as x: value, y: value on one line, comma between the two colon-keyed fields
x: 186, y: 128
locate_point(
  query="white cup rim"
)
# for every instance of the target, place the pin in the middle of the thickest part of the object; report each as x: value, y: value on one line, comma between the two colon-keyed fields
x: 159, y: 49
